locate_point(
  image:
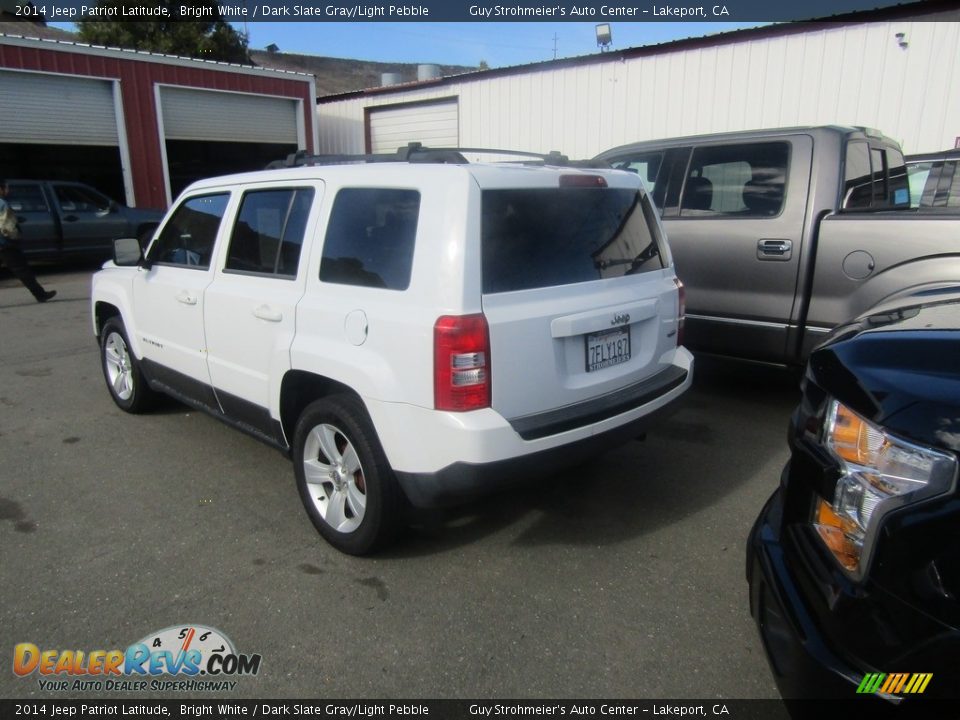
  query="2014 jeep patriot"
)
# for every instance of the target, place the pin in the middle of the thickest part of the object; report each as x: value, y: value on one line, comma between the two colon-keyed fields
x: 415, y: 331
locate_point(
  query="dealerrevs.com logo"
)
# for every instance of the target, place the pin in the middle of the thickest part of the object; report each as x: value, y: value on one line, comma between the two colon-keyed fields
x: 181, y: 658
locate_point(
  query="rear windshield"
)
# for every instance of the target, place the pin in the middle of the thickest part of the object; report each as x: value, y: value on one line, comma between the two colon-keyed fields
x: 547, y: 237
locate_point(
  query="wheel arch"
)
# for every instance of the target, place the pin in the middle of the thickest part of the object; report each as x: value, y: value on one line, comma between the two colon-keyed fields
x: 103, y: 311
x: 298, y: 389
x: 904, y: 280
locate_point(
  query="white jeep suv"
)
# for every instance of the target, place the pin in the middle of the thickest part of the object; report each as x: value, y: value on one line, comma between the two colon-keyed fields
x: 407, y: 331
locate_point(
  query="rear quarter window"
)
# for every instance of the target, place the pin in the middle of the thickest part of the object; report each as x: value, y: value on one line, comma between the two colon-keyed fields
x: 370, y: 238
x: 874, y: 178
x: 537, y: 238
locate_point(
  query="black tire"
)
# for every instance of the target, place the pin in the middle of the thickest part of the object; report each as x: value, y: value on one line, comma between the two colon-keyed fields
x: 355, y: 504
x: 121, y: 370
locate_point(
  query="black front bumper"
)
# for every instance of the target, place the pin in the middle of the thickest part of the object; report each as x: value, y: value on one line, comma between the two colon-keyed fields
x: 814, y: 632
x: 802, y: 662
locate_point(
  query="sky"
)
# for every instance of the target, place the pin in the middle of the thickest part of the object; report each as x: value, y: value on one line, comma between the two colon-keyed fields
x: 468, y: 43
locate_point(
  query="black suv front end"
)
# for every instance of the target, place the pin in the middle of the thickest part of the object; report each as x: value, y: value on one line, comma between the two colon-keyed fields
x: 854, y: 562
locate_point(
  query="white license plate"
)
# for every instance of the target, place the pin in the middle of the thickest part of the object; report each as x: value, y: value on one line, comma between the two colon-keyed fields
x: 608, y: 348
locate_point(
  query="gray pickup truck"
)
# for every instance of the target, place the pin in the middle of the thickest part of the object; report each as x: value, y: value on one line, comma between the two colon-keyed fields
x: 779, y: 235
x: 59, y: 218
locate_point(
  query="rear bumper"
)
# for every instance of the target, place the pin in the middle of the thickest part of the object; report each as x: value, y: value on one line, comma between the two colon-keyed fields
x: 461, y: 456
x: 461, y: 481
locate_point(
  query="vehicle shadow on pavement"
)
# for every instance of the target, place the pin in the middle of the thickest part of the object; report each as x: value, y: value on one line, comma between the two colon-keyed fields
x: 731, y: 426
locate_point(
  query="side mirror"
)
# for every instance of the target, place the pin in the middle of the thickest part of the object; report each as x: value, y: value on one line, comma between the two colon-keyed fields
x: 127, y: 252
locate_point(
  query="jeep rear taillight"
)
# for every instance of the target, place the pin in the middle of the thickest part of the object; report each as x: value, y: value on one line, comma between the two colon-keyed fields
x: 681, y: 315
x: 461, y: 363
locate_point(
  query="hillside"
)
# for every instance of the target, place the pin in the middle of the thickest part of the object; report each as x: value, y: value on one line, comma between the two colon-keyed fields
x: 336, y: 75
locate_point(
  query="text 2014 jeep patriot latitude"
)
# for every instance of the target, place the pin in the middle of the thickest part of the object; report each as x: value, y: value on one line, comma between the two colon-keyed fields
x: 780, y: 235
x: 403, y: 329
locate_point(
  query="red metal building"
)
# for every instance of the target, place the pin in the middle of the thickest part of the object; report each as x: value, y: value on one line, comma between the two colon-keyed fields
x: 141, y: 126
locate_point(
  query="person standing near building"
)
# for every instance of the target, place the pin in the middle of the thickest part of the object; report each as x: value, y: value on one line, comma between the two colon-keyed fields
x: 10, y: 253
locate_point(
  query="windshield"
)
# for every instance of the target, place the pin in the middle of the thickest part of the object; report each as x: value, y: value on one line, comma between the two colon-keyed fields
x: 547, y: 237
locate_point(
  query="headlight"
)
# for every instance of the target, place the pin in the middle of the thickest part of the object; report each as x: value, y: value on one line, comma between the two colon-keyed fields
x: 880, y: 473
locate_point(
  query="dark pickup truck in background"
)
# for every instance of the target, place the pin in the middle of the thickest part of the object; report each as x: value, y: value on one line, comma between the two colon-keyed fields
x: 780, y: 235
x: 59, y: 219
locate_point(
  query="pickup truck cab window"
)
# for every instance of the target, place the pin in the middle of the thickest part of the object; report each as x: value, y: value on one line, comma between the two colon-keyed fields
x: 188, y: 237
x: 898, y: 187
x: 647, y: 166
x: 268, y: 233
x: 941, y: 190
x: 27, y: 198
x: 875, y: 178
x: 74, y: 198
x: 745, y: 180
x: 370, y: 238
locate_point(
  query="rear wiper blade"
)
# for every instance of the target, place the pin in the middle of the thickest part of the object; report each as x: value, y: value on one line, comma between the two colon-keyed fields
x: 642, y: 258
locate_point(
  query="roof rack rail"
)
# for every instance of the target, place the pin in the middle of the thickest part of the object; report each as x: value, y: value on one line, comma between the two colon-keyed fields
x: 415, y: 152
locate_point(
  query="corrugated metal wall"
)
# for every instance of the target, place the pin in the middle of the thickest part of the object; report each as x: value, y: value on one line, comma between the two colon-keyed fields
x: 849, y: 74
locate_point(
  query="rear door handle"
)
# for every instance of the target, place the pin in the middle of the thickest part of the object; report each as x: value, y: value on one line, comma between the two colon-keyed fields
x: 774, y: 249
x: 265, y: 312
x: 187, y: 298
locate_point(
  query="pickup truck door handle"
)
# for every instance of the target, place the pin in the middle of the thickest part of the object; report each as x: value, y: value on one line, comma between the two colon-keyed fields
x: 71, y: 218
x: 265, y: 312
x: 187, y: 298
x: 774, y: 249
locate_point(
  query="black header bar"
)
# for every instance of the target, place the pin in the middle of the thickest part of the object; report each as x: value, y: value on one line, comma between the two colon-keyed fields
x: 464, y: 10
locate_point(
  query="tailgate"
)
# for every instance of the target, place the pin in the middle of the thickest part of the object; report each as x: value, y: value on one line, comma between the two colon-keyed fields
x: 579, y: 297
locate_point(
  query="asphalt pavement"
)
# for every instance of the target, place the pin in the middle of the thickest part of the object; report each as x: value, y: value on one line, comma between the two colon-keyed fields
x: 622, y: 578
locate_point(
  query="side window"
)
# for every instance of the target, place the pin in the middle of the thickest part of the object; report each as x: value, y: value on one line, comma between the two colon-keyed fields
x: 662, y: 172
x: 27, y: 198
x: 77, y: 199
x: 948, y: 187
x: 917, y: 174
x: 646, y: 165
x: 875, y: 178
x: 878, y: 165
x: 898, y: 191
x: 189, y: 235
x: 370, y: 238
x: 857, y: 177
x: 738, y: 180
x: 268, y: 233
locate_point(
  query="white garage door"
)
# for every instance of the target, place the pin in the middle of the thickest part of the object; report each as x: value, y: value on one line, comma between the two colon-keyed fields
x: 434, y: 124
x: 228, y: 117
x: 56, y: 109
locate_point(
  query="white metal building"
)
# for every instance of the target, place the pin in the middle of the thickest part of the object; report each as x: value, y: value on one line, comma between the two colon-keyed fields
x: 897, y: 70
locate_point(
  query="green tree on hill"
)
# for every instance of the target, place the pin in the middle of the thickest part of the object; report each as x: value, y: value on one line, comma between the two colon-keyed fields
x: 201, y: 34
